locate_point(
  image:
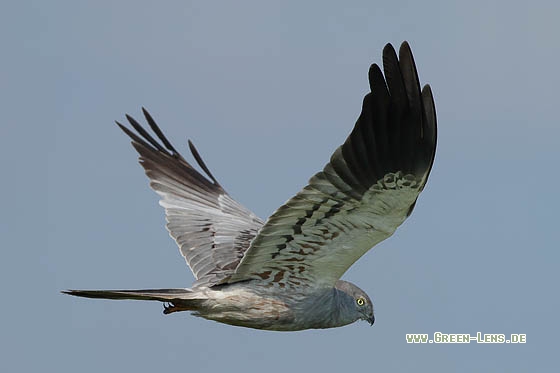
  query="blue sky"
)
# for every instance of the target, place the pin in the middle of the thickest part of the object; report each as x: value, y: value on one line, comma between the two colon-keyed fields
x: 267, y: 92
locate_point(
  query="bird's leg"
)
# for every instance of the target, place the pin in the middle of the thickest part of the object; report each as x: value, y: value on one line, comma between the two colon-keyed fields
x: 172, y: 307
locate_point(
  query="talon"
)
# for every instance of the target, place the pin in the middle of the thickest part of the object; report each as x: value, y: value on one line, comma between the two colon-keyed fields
x: 168, y: 308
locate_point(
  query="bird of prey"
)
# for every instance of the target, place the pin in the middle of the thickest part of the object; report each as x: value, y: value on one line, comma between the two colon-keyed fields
x: 284, y: 273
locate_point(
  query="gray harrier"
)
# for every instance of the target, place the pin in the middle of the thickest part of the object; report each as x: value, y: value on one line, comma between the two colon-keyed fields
x: 284, y: 274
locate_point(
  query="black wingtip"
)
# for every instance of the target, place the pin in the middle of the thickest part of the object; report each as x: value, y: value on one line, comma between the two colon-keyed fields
x: 406, y: 45
x: 405, y: 53
x: 144, y: 133
x: 123, y: 127
x: 430, y: 123
x: 201, y: 163
x: 158, y: 131
x: 376, y: 79
x: 396, y: 128
x: 389, y: 50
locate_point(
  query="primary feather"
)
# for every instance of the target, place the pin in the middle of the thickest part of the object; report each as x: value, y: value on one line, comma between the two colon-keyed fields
x: 285, y: 274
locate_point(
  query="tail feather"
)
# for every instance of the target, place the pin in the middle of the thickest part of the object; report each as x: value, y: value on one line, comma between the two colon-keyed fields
x: 162, y: 295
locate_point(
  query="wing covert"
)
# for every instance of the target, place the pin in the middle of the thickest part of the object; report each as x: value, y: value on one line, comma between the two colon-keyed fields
x: 363, y: 194
x: 211, y: 229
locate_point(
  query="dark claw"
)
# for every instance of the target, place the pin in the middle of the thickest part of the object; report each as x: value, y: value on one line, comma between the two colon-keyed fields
x: 168, y: 308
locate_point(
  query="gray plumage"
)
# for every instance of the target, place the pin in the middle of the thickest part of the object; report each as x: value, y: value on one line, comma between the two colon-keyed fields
x: 284, y: 274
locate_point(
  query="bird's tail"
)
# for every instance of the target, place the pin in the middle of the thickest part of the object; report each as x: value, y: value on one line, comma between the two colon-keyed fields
x: 178, y: 299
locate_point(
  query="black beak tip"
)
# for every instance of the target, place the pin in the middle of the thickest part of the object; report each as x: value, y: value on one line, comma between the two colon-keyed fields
x: 371, y: 320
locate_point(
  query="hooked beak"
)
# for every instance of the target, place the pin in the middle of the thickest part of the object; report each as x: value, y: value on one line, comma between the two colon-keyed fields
x: 371, y: 320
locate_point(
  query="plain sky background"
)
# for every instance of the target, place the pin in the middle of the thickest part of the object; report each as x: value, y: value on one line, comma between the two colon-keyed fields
x: 267, y: 90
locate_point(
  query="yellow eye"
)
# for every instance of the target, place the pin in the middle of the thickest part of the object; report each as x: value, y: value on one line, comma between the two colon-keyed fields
x: 360, y: 301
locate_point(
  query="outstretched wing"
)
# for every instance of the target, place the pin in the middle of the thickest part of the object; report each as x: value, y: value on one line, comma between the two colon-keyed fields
x: 211, y: 229
x: 363, y: 194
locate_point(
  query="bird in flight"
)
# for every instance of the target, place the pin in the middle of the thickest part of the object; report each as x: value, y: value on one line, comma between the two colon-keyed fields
x: 284, y: 273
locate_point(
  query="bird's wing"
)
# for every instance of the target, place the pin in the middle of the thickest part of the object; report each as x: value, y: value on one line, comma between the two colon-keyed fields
x: 211, y: 229
x: 363, y: 194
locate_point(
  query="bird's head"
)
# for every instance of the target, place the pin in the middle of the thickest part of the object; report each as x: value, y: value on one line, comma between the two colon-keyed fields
x: 357, y: 304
